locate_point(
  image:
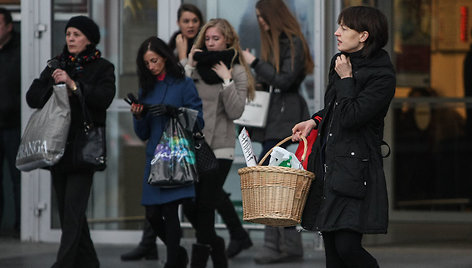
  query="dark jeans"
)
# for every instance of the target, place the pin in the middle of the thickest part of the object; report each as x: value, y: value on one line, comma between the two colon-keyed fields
x: 209, y: 192
x: 9, y: 142
x: 343, y: 248
x: 73, y: 191
x: 165, y: 222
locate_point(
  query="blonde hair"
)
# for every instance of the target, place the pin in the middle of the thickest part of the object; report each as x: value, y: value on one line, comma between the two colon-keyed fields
x: 232, y: 42
x: 272, y: 11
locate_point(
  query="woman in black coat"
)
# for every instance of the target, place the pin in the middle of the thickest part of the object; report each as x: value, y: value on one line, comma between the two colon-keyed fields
x: 349, y: 196
x: 285, y: 61
x: 86, y: 75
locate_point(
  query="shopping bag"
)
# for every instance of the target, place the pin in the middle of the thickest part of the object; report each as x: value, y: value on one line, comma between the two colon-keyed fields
x: 310, y: 141
x: 174, y: 162
x: 255, y: 111
x: 44, y: 139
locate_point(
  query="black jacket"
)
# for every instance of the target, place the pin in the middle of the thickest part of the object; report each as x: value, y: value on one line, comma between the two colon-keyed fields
x: 97, y: 86
x: 349, y: 191
x: 287, y: 107
x: 10, y: 83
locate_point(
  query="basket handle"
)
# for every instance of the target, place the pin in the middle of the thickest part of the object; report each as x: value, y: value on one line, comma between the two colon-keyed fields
x: 305, y: 147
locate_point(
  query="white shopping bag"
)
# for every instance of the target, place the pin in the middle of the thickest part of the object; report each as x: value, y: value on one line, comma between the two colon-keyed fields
x: 255, y: 111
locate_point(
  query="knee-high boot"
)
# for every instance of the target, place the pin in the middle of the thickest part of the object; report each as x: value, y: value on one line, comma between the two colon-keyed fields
x: 200, y: 254
x: 218, y: 254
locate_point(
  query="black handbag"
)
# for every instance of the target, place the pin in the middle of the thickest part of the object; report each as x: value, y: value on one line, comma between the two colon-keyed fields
x: 206, y: 159
x: 90, y: 143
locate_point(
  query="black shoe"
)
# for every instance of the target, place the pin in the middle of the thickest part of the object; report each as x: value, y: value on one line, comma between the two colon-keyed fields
x: 140, y: 252
x: 236, y: 246
x: 280, y: 258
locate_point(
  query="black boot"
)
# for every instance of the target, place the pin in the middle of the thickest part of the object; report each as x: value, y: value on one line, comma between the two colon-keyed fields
x: 218, y: 254
x: 183, y: 257
x: 200, y: 253
x: 235, y: 246
x: 147, y: 247
x: 140, y: 252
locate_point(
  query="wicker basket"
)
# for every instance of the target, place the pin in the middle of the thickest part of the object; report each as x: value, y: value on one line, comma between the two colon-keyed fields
x: 274, y: 196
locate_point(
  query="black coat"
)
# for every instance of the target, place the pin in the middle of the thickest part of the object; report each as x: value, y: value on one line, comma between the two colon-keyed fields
x: 287, y: 107
x: 96, y: 84
x: 350, y: 191
x: 10, y: 83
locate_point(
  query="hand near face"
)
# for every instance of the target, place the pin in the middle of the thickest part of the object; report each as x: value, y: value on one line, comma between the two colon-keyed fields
x: 343, y: 66
x: 191, y: 62
x: 248, y: 57
x: 181, y: 45
x: 221, y: 70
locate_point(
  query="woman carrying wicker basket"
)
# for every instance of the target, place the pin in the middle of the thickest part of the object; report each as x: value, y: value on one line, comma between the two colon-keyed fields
x: 349, y: 196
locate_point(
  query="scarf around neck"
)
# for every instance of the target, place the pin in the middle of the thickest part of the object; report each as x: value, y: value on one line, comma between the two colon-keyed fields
x: 74, y: 65
x: 207, y: 59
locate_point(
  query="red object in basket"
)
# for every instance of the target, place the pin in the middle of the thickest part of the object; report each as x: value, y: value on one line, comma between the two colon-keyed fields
x: 310, y: 140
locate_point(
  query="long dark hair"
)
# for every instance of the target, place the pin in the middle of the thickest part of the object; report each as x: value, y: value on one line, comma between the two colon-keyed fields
x: 272, y: 11
x: 146, y: 79
x: 364, y: 18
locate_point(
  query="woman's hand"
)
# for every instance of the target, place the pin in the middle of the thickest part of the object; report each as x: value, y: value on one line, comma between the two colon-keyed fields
x: 190, y: 61
x: 61, y: 76
x: 248, y: 57
x: 343, y: 66
x: 136, y: 109
x: 221, y: 70
x: 182, y: 45
x: 302, y: 128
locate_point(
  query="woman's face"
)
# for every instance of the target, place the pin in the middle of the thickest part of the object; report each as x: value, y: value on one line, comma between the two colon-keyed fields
x: 262, y: 23
x: 214, y: 39
x: 76, y: 41
x: 154, y: 62
x: 350, y: 40
x: 189, y: 24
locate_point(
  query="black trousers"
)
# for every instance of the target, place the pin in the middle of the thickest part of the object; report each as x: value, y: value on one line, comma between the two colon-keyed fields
x: 165, y: 222
x: 343, y: 248
x: 73, y: 191
x: 9, y: 142
x: 209, y: 192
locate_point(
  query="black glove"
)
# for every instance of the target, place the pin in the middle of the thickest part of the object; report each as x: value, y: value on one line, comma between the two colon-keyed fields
x: 162, y: 109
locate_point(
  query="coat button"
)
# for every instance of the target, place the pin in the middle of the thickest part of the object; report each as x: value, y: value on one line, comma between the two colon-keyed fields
x: 330, y: 134
x: 353, y: 153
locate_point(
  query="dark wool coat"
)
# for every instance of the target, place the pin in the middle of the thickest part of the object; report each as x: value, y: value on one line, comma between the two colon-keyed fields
x: 10, y: 83
x: 287, y: 107
x: 350, y: 191
x: 97, y: 85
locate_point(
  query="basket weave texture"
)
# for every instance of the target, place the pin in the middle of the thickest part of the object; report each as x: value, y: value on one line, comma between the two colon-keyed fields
x: 274, y: 196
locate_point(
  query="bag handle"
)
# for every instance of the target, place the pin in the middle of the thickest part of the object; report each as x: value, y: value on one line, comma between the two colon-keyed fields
x: 88, y: 123
x: 305, y: 147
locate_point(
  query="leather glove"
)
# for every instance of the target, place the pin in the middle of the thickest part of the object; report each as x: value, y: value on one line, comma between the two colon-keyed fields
x: 162, y: 109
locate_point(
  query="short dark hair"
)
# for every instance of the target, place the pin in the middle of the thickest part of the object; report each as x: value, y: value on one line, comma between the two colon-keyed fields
x: 190, y: 8
x: 6, y: 15
x: 173, y: 67
x: 365, y: 18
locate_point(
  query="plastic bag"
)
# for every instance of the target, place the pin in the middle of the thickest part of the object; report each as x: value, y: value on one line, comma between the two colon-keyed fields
x: 283, y: 158
x: 44, y: 139
x: 174, y: 162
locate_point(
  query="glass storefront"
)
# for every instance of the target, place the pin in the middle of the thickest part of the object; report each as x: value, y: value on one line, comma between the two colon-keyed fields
x: 427, y: 127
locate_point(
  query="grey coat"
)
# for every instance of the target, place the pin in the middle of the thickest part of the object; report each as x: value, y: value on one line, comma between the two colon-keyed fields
x: 222, y: 105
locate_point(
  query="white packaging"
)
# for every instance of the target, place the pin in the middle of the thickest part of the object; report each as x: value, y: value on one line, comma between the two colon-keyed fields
x: 246, y: 146
x: 283, y: 158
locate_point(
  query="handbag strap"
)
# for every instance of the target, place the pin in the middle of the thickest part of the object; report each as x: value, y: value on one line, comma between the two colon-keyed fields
x: 88, y: 123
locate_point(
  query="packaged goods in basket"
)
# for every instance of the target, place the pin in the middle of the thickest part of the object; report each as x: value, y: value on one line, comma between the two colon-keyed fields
x: 283, y: 158
x: 246, y: 146
x: 274, y: 195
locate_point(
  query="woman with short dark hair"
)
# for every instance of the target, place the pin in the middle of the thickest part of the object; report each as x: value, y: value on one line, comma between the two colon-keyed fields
x: 349, y: 195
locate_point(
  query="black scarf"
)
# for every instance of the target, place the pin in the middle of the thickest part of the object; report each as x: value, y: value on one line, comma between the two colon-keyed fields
x: 74, y: 65
x: 207, y: 59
